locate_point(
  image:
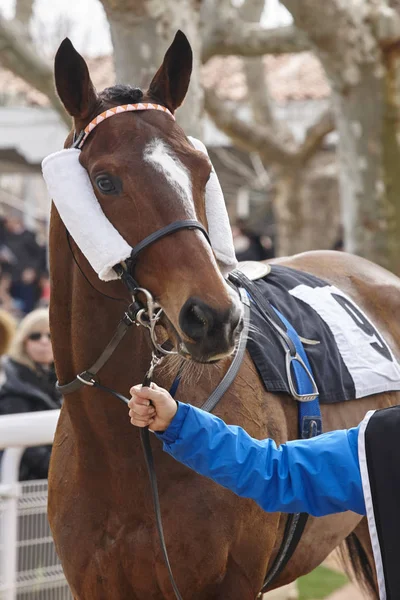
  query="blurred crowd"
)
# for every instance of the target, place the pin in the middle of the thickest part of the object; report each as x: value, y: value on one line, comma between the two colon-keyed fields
x: 28, y: 379
x: 24, y: 280
x: 27, y: 375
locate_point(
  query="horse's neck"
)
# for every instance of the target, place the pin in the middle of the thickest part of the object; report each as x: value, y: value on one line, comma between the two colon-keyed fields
x: 83, y: 321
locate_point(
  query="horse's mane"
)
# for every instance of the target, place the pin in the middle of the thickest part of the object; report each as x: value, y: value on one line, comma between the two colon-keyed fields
x: 121, y: 94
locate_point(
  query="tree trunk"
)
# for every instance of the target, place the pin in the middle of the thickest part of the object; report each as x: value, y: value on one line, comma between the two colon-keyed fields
x: 23, y: 13
x: 369, y: 158
x: 359, y: 112
x: 306, y: 206
x: 288, y: 213
x: 358, y: 46
x: 391, y: 157
x: 141, y: 34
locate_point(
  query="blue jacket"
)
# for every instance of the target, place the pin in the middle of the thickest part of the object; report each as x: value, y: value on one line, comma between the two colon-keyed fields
x: 319, y: 476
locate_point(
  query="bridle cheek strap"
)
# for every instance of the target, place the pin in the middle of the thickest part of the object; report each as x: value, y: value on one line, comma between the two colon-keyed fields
x: 130, y: 263
x: 163, y: 232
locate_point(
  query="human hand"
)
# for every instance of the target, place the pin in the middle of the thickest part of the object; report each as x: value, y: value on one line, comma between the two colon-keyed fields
x: 158, y: 414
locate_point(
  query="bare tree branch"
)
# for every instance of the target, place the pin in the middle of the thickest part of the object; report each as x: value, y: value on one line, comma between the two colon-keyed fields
x: 240, y: 33
x: 258, y: 95
x: 264, y: 141
x: 247, y: 39
x: 19, y: 56
x: 340, y: 34
x: 263, y: 180
x: 253, y: 138
x: 229, y: 160
x: 257, y: 85
x: 315, y: 134
x: 254, y: 70
x: 23, y: 12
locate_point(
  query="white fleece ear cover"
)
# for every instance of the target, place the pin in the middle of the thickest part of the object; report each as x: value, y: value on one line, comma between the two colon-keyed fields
x: 69, y: 186
x: 219, y: 228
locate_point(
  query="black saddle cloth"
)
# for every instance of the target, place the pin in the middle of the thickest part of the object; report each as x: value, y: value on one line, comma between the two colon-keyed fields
x: 334, y: 380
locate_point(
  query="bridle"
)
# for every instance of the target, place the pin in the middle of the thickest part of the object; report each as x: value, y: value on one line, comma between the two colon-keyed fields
x: 148, y: 315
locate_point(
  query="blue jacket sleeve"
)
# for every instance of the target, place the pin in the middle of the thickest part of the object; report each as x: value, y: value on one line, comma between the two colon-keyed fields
x: 319, y: 476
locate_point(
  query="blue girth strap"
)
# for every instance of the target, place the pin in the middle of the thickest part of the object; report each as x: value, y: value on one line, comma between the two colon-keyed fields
x: 310, y: 419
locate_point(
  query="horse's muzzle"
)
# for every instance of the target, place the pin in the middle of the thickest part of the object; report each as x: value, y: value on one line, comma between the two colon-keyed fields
x: 210, y: 333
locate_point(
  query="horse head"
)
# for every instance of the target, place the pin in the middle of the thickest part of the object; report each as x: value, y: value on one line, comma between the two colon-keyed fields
x: 146, y: 174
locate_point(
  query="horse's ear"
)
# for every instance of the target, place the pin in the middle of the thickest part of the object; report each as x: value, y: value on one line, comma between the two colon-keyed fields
x: 73, y: 82
x: 170, y: 83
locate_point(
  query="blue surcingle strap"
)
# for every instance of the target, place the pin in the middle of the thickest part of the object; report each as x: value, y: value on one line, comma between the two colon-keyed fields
x: 310, y: 419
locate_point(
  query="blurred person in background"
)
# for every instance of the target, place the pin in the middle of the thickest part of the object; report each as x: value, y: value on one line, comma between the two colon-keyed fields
x: 339, y: 240
x: 24, y: 259
x: 250, y: 245
x: 26, y: 291
x: 44, y: 290
x: 7, y: 302
x: 7, y: 330
x: 29, y: 384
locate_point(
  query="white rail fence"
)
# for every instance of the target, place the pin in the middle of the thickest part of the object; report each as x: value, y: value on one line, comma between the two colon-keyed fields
x: 29, y: 566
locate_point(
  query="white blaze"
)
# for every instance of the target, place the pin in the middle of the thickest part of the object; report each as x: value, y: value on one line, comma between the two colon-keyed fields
x: 161, y: 157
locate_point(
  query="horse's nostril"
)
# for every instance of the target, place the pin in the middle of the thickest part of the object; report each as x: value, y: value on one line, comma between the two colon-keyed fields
x: 198, y: 315
x: 196, y: 320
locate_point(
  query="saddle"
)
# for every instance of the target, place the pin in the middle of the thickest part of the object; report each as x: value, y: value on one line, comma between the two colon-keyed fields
x: 348, y: 355
x: 253, y: 269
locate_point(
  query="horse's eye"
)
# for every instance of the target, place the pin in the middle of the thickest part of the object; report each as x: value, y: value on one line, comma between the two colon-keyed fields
x: 106, y: 185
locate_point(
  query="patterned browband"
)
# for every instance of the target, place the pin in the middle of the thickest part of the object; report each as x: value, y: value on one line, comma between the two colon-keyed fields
x: 110, y: 112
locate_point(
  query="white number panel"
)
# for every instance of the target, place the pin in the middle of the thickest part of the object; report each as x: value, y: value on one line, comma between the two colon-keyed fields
x: 365, y: 353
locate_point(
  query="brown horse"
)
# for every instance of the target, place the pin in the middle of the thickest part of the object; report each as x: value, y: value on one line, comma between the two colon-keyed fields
x: 100, y: 506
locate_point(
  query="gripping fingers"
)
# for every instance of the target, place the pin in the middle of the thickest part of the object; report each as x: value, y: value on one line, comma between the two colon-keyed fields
x: 142, y: 415
x: 141, y: 422
x: 142, y: 411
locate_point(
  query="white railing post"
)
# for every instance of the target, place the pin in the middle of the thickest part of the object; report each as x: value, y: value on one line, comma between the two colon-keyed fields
x: 17, y: 432
x: 9, y: 489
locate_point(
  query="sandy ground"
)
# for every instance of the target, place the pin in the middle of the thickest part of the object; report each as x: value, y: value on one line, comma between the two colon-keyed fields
x: 348, y: 592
